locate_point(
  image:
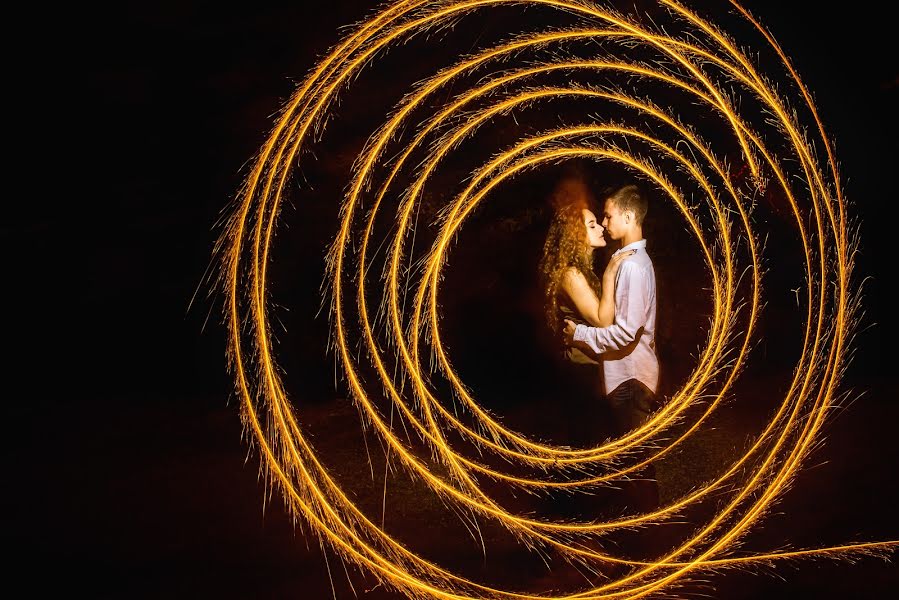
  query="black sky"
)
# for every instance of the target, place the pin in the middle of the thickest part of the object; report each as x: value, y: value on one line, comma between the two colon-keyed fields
x: 128, y: 478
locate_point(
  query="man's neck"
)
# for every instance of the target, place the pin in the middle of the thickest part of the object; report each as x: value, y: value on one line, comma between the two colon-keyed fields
x: 634, y: 235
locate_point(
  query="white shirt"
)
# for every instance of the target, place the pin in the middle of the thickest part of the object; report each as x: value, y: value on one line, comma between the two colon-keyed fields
x: 628, y: 344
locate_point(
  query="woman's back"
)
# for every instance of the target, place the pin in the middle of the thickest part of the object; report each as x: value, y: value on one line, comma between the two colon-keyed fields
x: 567, y: 310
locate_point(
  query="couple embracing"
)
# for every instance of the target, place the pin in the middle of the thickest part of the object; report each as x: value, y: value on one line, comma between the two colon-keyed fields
x: 608, y: 326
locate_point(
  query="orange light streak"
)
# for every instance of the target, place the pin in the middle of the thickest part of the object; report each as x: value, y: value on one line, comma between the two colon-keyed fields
x: 683, y: 62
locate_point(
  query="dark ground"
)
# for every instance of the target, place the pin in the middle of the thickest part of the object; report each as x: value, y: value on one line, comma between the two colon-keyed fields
x: 129, y: 475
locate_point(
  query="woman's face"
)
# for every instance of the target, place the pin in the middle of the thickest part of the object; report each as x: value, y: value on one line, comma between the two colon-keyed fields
x: 595, y: 237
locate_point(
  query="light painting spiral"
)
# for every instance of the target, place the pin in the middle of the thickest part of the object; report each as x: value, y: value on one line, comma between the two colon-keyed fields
x: 678, y: 104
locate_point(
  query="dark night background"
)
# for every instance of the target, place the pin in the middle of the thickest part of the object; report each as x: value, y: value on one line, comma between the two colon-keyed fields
x: 129, y: 474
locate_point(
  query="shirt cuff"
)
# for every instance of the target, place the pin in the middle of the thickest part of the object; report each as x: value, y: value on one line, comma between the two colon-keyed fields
x: 580, y: 333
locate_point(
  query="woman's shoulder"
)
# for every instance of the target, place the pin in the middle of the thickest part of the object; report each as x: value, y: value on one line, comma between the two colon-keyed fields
x: 574, y: 279
x: 572, y: 274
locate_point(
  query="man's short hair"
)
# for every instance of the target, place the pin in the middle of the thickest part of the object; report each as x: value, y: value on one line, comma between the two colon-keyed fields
x: 630, y: 198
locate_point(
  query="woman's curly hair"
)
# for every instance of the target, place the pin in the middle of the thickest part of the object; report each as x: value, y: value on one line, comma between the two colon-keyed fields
x: 566, y: 244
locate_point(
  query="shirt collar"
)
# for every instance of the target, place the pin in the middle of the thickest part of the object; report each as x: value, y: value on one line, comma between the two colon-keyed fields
x: 639, y: 244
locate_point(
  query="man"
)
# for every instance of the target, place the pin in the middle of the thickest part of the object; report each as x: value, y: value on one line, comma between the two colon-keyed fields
x: 629, y: 360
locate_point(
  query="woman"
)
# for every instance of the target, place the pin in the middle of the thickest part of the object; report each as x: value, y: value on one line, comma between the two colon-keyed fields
x: 572, y: 290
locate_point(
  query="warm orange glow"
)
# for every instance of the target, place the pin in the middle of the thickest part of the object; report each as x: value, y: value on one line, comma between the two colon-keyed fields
x: 703, y: 64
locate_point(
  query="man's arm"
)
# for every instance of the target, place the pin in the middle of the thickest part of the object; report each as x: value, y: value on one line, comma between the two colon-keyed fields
x: 631, y: 297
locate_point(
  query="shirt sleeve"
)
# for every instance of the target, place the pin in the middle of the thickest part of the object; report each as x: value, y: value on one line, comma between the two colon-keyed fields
x: 631, y: 300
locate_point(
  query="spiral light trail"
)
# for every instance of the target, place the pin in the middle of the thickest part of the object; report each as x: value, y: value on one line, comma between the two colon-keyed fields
x: 391, y: 351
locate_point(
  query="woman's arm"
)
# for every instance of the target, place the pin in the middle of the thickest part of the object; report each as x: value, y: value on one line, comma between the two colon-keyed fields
x: 598, y: 312
x: 575, y: 284
x: 607, y: 301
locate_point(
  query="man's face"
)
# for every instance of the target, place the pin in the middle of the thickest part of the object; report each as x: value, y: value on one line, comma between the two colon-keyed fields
x: 614, y: 220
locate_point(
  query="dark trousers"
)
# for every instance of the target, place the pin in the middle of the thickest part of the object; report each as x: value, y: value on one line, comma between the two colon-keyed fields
x: 582, y: 420
x: 631, y: 404
x: 586, y: 419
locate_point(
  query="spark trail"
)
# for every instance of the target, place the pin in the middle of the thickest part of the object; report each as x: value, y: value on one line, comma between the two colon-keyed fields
x: 402, y: 352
